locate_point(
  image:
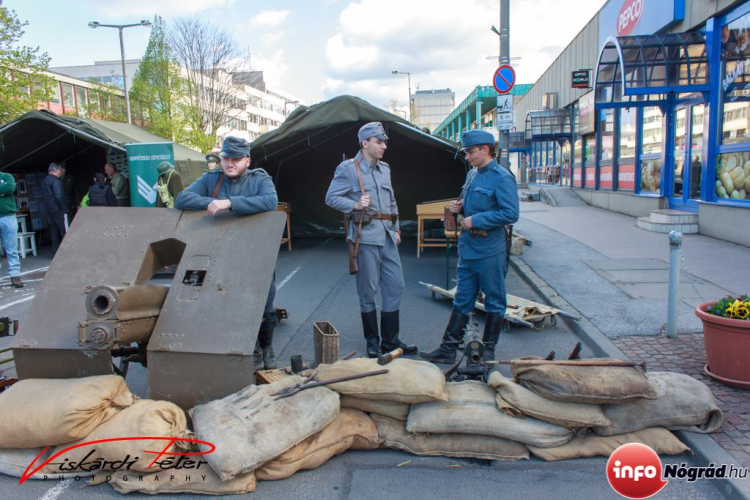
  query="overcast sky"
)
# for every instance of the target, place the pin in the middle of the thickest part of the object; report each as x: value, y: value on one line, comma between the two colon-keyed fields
x: 318, y: 49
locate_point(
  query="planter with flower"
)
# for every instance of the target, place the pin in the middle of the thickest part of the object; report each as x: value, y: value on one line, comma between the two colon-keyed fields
x: 726, y: 333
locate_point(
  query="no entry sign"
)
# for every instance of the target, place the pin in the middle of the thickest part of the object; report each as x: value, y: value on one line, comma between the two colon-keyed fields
x: 504, y: 79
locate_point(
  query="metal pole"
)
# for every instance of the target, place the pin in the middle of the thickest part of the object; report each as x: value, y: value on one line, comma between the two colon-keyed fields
x: 408, y: 80
x: 675, y: 242
x: 503, y: 136
x: 124, y: 76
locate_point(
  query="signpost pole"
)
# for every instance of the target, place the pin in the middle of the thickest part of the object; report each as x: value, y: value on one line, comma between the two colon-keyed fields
x: 503, y: 137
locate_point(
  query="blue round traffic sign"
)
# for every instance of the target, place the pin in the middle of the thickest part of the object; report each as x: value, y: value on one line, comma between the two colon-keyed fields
x: 504, y: 79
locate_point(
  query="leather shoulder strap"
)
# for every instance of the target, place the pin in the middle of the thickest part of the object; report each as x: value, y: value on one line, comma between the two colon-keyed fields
x: 359, y: 176
x: 219, y: 183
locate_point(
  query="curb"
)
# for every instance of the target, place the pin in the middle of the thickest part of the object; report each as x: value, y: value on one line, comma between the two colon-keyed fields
x: 706, y: 450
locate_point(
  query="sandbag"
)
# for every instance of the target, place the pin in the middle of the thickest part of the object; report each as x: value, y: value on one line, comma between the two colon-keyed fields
x: 682, y: 403
x: 144, y: 418
x: 407, y: 381
x: 48, y: 412
x: 472, y: 409
x: 250, y: 428
x: 202, y: 482
x: 399, y: 411
x: 568, y: 381
x: 352, y: 429
x: 13, y: 462
x: 394, y: 435
x: 659, y: 439
x: 562, y: 413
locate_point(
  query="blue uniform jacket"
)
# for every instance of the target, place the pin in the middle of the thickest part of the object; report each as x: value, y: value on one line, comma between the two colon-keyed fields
x: 491, y: 200
x: 344, y: 192
x: 251, y: 193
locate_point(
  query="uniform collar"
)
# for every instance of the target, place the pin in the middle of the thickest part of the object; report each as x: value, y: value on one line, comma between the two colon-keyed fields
x: 245, y: 174
x: 363, y: 164
x: 487, y: 167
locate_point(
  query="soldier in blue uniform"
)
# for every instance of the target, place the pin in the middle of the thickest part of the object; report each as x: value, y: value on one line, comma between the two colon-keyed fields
x: 489, y: 202
x: 242, y: 192
x: 364, y: 183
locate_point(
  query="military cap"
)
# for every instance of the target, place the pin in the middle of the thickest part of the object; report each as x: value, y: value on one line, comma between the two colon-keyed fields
x: 234, y: 147
x: 213, y: 157
x: 372, y: 129
x: 164, y: 167
x: 472, y: 138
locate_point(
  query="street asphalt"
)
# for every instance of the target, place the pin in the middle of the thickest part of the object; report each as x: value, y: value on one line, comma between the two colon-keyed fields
x: 314, y: 285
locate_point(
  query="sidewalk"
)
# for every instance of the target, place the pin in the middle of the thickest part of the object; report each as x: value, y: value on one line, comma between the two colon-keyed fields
x: 615, y: 275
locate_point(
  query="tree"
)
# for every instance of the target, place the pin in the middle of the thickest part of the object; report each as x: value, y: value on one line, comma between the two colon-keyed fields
x: 23, y: 83
x: 216, y: 71
x: 159, y: 85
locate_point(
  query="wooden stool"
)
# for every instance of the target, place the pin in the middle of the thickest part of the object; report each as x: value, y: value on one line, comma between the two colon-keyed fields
x: 26, y: 244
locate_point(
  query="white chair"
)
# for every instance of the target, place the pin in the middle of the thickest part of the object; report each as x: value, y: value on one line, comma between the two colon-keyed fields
x: 26, y: 244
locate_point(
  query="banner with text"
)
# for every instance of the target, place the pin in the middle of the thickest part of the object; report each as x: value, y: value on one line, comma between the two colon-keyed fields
x: 143, y: 159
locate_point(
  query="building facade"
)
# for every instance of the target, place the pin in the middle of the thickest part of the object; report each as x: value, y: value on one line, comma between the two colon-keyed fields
x: 432, y: 106
x: 109, y: 72
x: 648, y: 108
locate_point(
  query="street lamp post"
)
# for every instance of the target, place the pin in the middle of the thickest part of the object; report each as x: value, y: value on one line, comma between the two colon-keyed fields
x: 120, y: 27
x: 408, y: 79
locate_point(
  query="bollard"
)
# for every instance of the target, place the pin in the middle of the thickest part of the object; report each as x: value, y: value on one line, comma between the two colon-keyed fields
x: 675, y: 242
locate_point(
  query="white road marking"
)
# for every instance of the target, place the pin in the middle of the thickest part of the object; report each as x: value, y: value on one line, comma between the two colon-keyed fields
x: 285, y: 280
x: 57, y: 490
x: 25, y: 299
x: 27, y: 272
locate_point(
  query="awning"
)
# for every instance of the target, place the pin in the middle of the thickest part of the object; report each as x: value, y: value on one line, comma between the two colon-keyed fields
x: 517, y: 142
x: 641, y: 68
x: 548, y: 125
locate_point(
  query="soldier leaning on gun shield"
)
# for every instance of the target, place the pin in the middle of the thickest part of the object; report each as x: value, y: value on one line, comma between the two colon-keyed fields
x: 241, y: 191
x: 361, y: 189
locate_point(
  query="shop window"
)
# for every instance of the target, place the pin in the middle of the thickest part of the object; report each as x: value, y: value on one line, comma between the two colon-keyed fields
x: 733, y: 176
x: 68, y: 100
x: 589, y: 158
x: 651, y: 176
x: 627, y: 133
x: 735, y: 77
x: 607, y: 132
x: 651, y: 140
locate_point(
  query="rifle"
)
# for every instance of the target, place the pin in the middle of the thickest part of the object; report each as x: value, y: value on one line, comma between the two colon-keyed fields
x: 353, y: 247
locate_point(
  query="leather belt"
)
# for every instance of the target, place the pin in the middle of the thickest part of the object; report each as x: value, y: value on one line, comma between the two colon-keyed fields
x: 381, y: 216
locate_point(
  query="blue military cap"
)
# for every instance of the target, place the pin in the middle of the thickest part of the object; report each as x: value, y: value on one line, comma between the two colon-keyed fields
x: 372, y: 129
x: 472, y: 138
x: 234, y: 147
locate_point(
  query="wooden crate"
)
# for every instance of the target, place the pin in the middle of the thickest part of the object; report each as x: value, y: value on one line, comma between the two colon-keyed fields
x: 269, y: 376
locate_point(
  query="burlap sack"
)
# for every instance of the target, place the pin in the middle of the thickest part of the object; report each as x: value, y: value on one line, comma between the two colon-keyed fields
x: 250, y: 428
x: 560, y: 413
x: 352, y: 429
x: 407, y: 381
x: 583, y: 384
x: 659, y: 439
x: 145, y: 418
x: 199, y: 482
x: 394, y: 435
x: 398, y: 411
x: 13, y: 462
x: 48, y: 412
x: 472, y: 409
x: 682, y: 403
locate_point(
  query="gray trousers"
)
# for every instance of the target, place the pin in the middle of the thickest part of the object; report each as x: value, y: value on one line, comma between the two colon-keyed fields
x: 379, y: 267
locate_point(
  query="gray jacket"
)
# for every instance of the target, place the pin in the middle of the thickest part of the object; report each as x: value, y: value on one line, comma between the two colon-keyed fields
x: 344, y: 192
x: 251, y: 193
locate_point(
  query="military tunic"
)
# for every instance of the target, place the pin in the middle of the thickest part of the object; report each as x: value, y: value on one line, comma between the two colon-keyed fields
x: 490, y: 198
x: 378, y: 259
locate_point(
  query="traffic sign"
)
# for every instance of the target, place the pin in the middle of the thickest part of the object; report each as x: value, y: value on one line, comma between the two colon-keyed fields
x: 504, y: 120
x: 504, y: 79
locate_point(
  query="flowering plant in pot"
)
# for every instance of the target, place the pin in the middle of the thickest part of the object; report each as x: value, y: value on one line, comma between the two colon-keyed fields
x: 726, y: 333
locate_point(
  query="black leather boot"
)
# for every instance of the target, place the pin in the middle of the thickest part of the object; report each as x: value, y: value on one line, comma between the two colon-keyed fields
x: 370, y: 328
x: 452, y: 337
x: 492, y: 327
x: 266, y: 344
x: 258, y: 354
x: 389, y: 328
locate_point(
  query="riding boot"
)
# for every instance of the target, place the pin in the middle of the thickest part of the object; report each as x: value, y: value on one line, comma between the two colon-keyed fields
x: 389, y: 328
x: 452, y: 337
x: 370, y: 328
x: 492, y: 327
x: 258, y: 354
x: 266, y: 344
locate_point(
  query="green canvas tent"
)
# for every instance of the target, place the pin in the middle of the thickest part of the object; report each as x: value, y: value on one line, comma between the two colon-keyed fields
x: 303, y: 153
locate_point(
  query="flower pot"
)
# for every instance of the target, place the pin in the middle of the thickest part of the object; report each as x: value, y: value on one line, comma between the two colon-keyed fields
x: 727, y: 347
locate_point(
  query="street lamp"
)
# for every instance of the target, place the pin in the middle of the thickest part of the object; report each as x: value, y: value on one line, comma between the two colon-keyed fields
x: 120, y: 27
x: 408, y: 77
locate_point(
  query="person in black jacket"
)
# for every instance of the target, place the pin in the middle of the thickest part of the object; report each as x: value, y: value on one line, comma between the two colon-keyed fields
x: 101, y: 194
x: 57, y: 204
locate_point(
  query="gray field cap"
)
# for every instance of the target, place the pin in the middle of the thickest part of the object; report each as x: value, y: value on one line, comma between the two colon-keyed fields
x: 372, y: 129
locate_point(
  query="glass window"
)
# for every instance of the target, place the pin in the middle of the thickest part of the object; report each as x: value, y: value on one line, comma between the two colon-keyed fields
x: 577, y: 150
x: 627, y: 133
x: 735, y: 77
x: 607, y: 131
x: 651, y: 140
x: 733, y: 176
x: 565, y: 163
x: 696, y: 151
x: 589, y: 159
x: 68, y: 99
x: 54, y: 95
x: 82, y: 102
x: 651, y: 176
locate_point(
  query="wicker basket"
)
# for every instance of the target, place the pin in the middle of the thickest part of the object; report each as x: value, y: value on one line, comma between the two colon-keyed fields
x: 326, y: 342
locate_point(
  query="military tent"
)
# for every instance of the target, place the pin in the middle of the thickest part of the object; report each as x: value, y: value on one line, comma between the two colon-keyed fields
x: 303, y: 153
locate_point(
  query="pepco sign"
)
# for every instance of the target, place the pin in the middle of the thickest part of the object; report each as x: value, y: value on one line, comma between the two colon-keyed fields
x: 630, y: 14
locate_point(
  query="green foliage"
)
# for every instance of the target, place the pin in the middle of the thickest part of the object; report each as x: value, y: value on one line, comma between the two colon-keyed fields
x: 23, y: 85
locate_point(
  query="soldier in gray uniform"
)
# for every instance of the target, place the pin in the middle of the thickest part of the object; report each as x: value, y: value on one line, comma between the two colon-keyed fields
x: 364, y: 183
x: 242, y: 192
